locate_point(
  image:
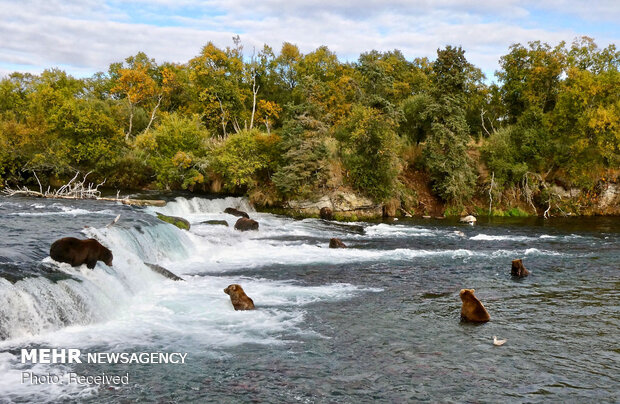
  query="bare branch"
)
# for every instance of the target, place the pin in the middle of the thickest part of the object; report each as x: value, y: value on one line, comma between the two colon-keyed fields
x: 491, y: 192
x: 159, y: 98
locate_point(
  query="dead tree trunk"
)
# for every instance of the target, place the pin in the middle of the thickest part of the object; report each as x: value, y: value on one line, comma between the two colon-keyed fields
x: 254, y: 92
x: 159, y: 98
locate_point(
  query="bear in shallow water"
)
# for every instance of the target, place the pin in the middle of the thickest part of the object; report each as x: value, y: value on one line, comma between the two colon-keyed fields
x: 326, y: 213
x: 244, y: 224
x: 77, y: 252
x: 472, y: 309
x: 336, y: 243
x: 238, y: 298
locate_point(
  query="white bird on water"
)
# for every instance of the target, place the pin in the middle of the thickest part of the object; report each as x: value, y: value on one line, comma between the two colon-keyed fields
x: 498, y: 342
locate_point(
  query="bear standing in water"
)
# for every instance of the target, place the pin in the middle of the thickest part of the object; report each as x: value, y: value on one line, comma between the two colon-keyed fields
x: 238, y: 298
x: 472, y: 309
x: 76, y: 252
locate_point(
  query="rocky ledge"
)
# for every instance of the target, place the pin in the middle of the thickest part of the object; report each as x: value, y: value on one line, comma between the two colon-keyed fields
x: 346, y: 204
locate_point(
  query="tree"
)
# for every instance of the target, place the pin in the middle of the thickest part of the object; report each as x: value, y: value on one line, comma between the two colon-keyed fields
x: 218, y: 76
x: 304, y: 152
x: 175, y: 149
x: 369, y: 148
x: 531, y: 77
x: 135, y: 83
x: 244, y: 159
x: 445, y: 152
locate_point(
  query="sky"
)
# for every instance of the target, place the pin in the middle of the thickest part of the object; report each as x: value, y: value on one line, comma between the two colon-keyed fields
x: 84, y: 36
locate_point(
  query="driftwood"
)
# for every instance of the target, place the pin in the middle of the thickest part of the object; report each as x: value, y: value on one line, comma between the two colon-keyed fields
x: 71, y: 190
x: 136, y: 202
x: 75, y: 189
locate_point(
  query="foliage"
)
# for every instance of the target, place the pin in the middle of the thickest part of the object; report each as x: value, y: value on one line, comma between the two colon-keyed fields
x: 305, y: 153
x: 445, y: 153
x: 174, y: 150
x: 369, y: 152
x: 290, y: 125
x: 244, y: 159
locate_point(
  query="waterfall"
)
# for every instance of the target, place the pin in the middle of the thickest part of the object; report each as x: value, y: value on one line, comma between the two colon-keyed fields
x: 37, y: 304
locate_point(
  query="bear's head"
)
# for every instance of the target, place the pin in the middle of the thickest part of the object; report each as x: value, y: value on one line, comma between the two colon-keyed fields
x: 467, y: 293
x: 231, y: 289
x: 106, y: 256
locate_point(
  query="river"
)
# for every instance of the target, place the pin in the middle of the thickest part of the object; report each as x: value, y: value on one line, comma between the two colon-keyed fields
x: 375, y: 322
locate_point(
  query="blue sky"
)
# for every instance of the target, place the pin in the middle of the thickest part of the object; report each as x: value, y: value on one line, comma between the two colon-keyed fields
x: 85, y: 36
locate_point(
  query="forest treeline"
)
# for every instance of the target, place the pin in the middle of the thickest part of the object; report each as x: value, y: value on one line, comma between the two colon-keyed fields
x: 288, y: 125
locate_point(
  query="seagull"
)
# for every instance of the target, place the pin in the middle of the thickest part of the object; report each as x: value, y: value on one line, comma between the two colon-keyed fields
x: 498, y: 342
x: 114, y: 221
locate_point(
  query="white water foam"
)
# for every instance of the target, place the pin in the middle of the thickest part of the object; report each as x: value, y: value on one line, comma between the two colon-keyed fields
x: 65, y: 210
x: 199, y: 206
x: 486, y: 237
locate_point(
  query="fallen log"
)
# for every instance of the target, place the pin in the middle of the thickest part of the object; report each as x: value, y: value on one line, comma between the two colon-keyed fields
x: 163, y: 271
x: 136, y: 202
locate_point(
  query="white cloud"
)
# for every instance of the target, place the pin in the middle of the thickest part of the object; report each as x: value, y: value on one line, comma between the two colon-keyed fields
x: 86, y: 36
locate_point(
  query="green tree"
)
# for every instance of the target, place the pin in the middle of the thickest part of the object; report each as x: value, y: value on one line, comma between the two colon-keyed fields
x: 244, y: 159
x: 305, y: 153
x: 445, y: 152
x: 175, y: 150
x: 369, y: 149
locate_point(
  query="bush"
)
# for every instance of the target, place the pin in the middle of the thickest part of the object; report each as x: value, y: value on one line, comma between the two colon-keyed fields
x: 175, y: 151
x: 245, y: 159
x: 502, y: 158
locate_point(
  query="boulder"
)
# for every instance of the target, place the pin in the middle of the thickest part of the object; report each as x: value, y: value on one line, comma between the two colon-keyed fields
x: 326, y: 213
x: 345, y: 203
x: 216, y: 222
x: 236, y: 212
x: 177, y: 221
x: 518, y: 269
x: 336, y: 243
x: 244, y: 224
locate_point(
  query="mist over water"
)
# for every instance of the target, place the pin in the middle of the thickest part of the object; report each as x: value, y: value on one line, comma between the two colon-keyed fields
x: 378, y: 321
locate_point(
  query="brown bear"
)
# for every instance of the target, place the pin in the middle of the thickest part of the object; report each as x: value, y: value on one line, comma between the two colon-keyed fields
x: 239, y: 299
x: 244, y: 224
x: 236, y: 212
x: 518, y: 270
x: 472, y: 309
x: 77, y: 252
x: 336, y: 243
x: 326, y: 213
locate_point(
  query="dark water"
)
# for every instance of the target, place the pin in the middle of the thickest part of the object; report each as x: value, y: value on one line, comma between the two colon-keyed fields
x: 377, y: 322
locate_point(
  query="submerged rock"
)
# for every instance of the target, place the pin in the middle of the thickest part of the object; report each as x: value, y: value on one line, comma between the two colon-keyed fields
x: 177, y: 221
x: 216, y: 222
x: 244, y: 224
x: 236, y: 212
x: 336, y: 243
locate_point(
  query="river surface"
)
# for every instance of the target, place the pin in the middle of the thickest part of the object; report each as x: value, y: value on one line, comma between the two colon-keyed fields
x: 376, y: 322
